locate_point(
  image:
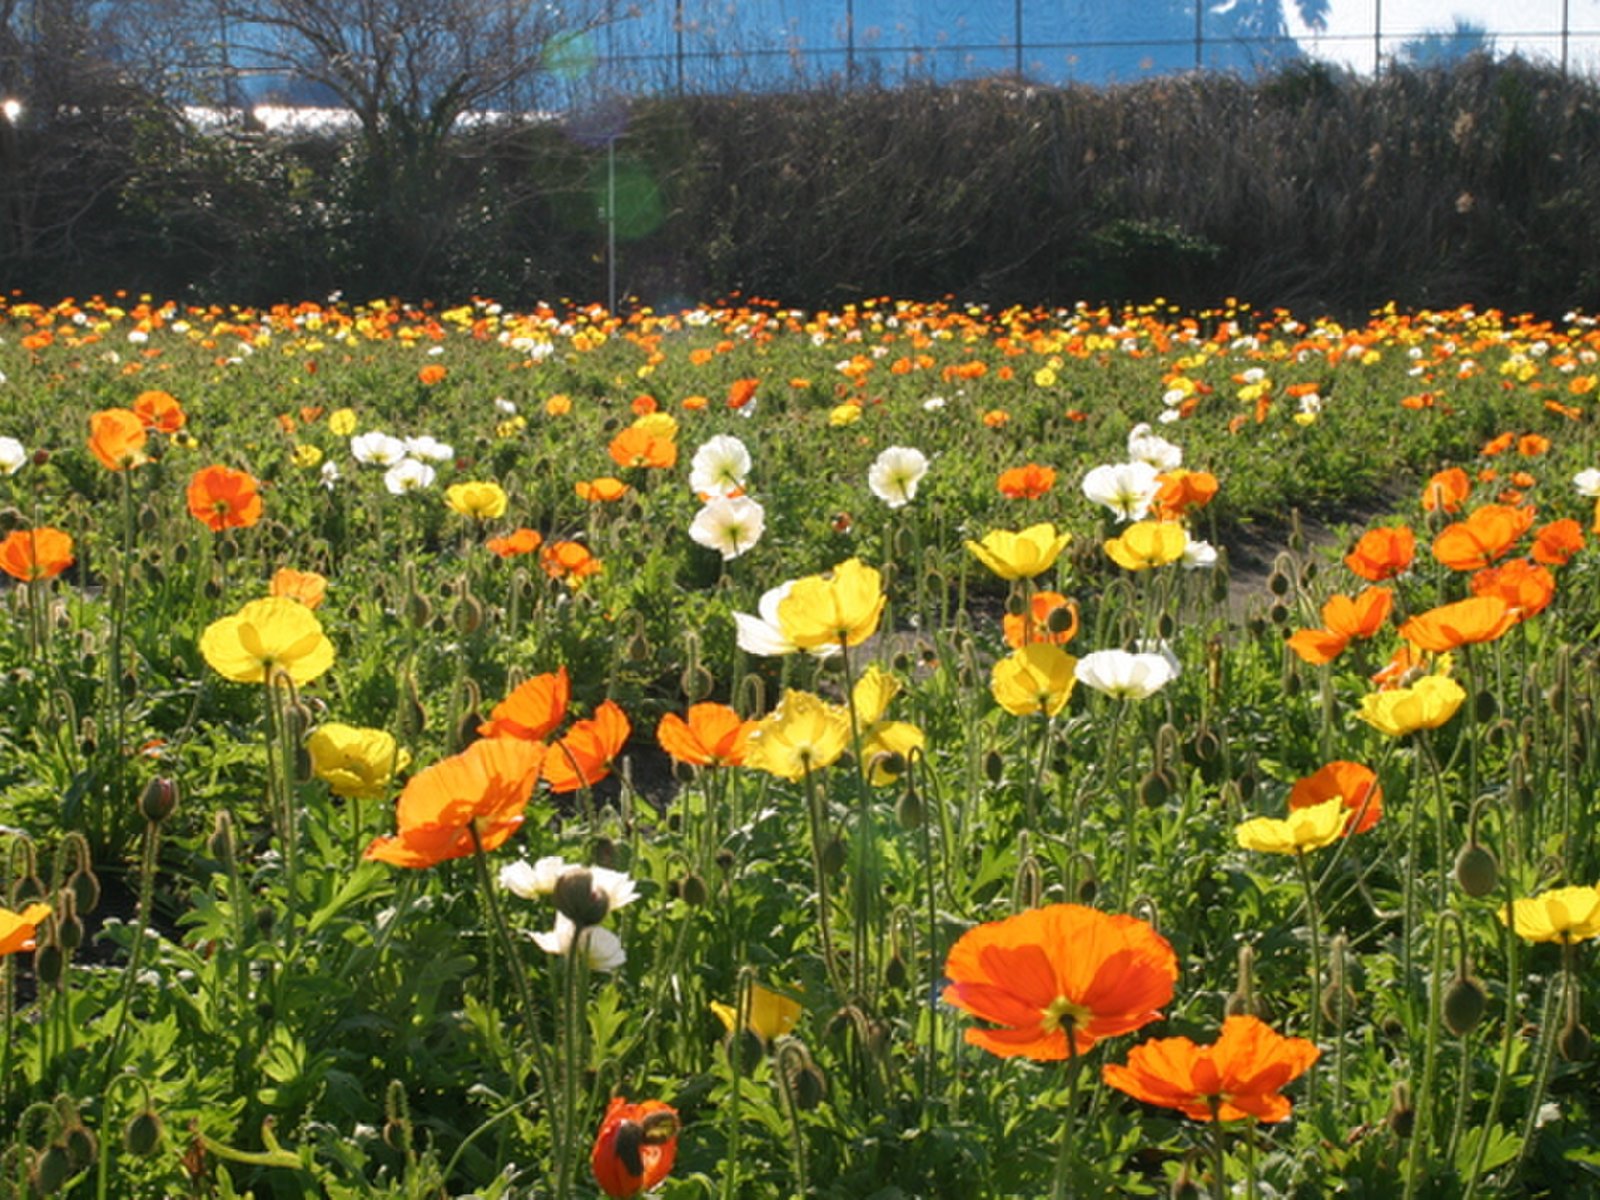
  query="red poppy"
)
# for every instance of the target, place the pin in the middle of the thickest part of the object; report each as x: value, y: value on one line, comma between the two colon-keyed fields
x: 222, y: 498
x: 1446, y: 491
x: 117, y: 438
x: 159, y: 411
x: 1056, y: 972
x: 635, y: 1148
x: 1043, y: 606
x: 1343, y: 620
x: 1026, y: 483
x: 1382, y: 553
x: 1463, y: 623
x: 1353, y: 783
x: 532, y: 710
x: 31, y: 554
x: 469, y: 801
x: 1556, y: 542
x: 522, y: 541
x: 713, y: 736
x: 1240, y: 1075
x: 582, y: 758
x: 1487, y: 534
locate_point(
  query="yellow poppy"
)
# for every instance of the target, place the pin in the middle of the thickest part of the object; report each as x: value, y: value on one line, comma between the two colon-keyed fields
x: 478, y: 500
x: 1426, y: 704
x: 1148, y: 544
x: 1302, y: 830
x: 1567, y: 914
x: 1038, y: 677
x: 840, y: 608
x: 355, y: 762
x: 1020, y: 555
x: 805, y: 734
x: 769, y: 1014
x: 267, y: 635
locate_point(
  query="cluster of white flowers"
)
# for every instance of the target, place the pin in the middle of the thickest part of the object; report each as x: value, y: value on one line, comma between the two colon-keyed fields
x: 407, y: 460
x: 583, y: 897
x: 729, y: 521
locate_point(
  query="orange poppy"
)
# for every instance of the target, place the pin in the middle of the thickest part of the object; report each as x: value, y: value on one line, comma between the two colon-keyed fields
x: 1557, y: 541
x: 741, y: 392
x: 1498, y: 445
x: 159, y: 411
x: 568, y: 560
x: 1240, y: 1075
x: 222, y: 498
x: 1382, y: 553
x: 1403, y: 666
x: 1343, y: 620
x: 523, y: 541
x: 431, y: 374
x: 582, y: 758
x: 1531, y: 445
x: 713, y: 736
x: 1526, y: 587
x: 1026, y: 483
x: 1056, y: 972
x: 17, y: 929
x: 602, y: 490
x: 32, y: 554
x: 644, y: 405
x: 1487, y: 534
x: 532, y: 710
x: 117, y: 438
x: 1446, y: 490
x: 1463, y: 623
x: 635, y: 447
x: 1037, y: 629
x: 469, y: 801
x: 1353, y: 783
x: 305, y: 586
x: 635, y: 1148
x: 1182, y: 491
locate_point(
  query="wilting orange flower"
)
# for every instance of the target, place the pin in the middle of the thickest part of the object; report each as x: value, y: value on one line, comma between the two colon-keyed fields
x: 431, y: 374
x: 602, y: 490
x: 1531, y: 445
x: 1056, y: 972
x: 1463, y: 623
x: 117, y: 438
x: 568, y: 560
x: 532, y: 710
x: 1037, y: 627
x: 635, y: 1148
x: 1556, y: 542
x: 1353, y: 783
x: 469, y: 801
x: 1382, y: 553
x: 1404, y: 665
x: 305, y: 586
x: 1026, y: 483
x: 159, y: 411
x: 582, y: 758
x: 1182, y: 491
x: 1343, y: 620
x: 713, y: 736
x: 634, y: 447
x: 1526, y: 587
x: 17, y: 929
x: 522, y: 541
x: 1237, y: 1076
x: 1446, y: 490
x: 222, y: 498
x: 1487, y: 534
x: 741, y: 392
x: 32, y: 554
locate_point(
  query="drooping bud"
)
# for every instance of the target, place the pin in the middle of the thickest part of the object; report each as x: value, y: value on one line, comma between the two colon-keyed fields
x: 159, y: 799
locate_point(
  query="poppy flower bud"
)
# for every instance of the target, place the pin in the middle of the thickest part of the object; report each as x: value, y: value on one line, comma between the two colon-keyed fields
x: 1337, y: 1001
x: 81, y: 1145
x: 1278, y: 583
x: 684, y: 772
x: 141, y: 1136
x: 159, y: 799
x: 69, y: 929
x: 1015, y: 604
x: 1156, y: 788
x: 41, y: 456
x: 578, y: 900
x: 1486, y: 706
x: 1465, y: 1002
x: 1206, y: 746
x: 604, y: 853
x: 85, y: 887
x: 745, y: 1050
x: 1088, y: 888
x: 1477, y: 870
x: 1574, y: 1043
x: 419, y: 610
x: 909, y: 811
x: 994, y: 766
x: 692, y: 890
x: 1402, y: 1117
x: 1278, y: 614
x: 220, y: 844
x: 894, y: 971
x: 50, y: 1171
x: 1060, y: 620
x: 49, y: 963
x: 833, y: 856
x: 467, y: 615
x: 88, y: 736
x: 725, y: 859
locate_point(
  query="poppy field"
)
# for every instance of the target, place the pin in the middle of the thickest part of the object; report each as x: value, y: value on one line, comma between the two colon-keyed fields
x: 906, y: 751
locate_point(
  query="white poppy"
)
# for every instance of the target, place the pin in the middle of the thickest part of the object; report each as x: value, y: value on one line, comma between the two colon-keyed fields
x: 603, y: 948
x: 429, y: 449
x: 1127, y: 489
x: 894, y: 475
x: 1147, y: 447
x: 408, y: 475
x: 719, y: 467
x: 12, y: 455
x: 377, y: 449
x: 1123, y: 675
x: 1588, y: 482
x: 730, y: 525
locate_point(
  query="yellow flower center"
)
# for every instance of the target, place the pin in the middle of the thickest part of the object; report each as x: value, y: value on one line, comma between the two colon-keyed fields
x: 1063, y: 1012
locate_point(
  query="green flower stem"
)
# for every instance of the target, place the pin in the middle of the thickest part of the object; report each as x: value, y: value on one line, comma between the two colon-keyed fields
x: 1219, y: 1151
x: 1560, y: 999
x: 573, y: 969
x: 1061, y: 1180
x: 1036, y: 784
x: 1422, y: 1095
x: 817, y: 818
x: 866, y: 926
x: 130, y: 976
x: 797, y: 1133
x: 1511, y: 948
x: 1313, y: 922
